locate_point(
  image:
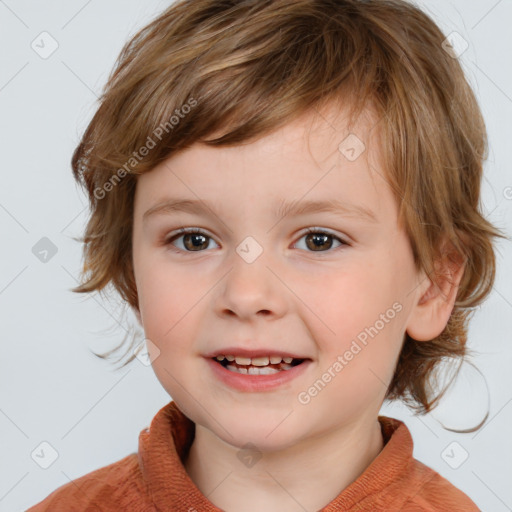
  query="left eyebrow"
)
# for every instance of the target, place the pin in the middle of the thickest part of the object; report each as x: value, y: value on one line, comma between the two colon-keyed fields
x: 170, y: 205
x: 326, y: 206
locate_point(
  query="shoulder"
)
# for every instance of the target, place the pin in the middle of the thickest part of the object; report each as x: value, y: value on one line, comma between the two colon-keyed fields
x: 436, y: 494
x: 407, y: 484
x: 106, y: 489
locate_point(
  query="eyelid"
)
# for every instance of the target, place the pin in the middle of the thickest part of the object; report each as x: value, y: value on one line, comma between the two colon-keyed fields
x: 184, y: 231
x: 345, y: 240
x: 314, y: 229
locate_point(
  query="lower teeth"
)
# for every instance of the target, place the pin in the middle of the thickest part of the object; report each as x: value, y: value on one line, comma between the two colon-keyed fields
x: 258, y: 370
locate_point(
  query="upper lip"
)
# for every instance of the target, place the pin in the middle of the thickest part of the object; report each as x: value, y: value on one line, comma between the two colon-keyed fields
x: 261, y: 352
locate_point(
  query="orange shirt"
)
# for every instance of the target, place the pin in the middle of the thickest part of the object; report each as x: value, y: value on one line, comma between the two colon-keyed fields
x: 154, y: 479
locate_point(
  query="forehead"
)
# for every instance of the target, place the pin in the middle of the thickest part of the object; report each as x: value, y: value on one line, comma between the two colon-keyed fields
x: 318, y: 156
x: 319, y: 131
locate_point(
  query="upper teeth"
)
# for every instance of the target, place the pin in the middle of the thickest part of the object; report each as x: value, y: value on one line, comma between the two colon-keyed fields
x: 256, y: 361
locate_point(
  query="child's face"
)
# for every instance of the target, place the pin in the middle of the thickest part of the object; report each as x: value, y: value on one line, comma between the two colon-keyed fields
x: 291, y: 298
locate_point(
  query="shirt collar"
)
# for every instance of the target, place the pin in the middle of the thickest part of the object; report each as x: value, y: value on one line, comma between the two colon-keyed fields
x: 163, y: 448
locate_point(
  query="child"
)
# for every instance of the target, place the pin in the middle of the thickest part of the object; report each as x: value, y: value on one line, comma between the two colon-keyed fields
x: 286, y: 194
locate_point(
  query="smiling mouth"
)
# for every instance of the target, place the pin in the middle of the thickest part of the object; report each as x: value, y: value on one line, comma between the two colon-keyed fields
x: 250, y: 369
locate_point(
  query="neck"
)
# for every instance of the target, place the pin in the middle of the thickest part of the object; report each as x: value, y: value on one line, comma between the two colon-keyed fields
x: 283, y: 480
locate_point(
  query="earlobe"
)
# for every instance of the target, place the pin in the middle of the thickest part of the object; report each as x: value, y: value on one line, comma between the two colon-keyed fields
x: 434, y: 303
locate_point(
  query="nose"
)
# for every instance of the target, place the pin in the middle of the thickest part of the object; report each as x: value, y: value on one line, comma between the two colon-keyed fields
x: 251, y: 288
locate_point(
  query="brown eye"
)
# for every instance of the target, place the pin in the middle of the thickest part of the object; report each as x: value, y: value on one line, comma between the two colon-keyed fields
x: 320, y: 241
x: 194, y: 240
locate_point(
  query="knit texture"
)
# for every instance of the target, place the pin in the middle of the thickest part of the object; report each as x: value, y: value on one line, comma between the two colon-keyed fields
x: 155, y: 479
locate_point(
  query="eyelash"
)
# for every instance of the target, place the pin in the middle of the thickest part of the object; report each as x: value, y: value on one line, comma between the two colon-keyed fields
x: 185, y: 231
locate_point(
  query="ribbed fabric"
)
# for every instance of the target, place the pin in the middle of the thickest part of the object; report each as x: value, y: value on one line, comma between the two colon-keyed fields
x: 154, y: 479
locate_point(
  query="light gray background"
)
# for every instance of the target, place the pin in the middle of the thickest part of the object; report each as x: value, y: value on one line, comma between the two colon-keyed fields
x: 51, y: 388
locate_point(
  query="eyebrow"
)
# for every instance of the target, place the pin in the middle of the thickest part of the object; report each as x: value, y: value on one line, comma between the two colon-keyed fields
x: 171, y: 205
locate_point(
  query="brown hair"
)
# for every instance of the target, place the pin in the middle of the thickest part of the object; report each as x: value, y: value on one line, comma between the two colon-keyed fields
x: 249, y: 67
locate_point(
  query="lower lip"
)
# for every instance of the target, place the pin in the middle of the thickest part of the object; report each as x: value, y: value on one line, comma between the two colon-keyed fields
x: 244, y: 382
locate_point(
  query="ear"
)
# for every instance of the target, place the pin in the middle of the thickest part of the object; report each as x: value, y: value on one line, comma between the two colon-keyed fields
x: 434, y: 304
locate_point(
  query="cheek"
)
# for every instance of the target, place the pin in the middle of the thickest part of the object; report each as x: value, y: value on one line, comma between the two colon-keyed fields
x: 345, y: 300
x: 165, y: 298
x: 356, y: 310
x: 358, y: 336
x: 167, y: 307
